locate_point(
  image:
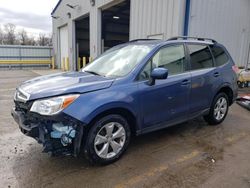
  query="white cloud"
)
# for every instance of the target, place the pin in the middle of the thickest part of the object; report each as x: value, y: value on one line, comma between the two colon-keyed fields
x: 32, y: 15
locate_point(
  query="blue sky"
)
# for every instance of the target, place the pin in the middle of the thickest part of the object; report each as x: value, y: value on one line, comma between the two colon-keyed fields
x: 32, y: 15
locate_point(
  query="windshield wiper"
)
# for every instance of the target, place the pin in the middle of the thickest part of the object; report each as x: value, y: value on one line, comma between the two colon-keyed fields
x: 92, y: 72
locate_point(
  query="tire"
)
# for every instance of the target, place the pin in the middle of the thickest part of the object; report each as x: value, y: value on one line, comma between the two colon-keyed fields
x: 218, y: 114
x: 103, y: 146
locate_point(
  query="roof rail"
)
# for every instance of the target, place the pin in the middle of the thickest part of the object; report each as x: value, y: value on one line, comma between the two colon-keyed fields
x: 187, y: 37
x: 142, y: 40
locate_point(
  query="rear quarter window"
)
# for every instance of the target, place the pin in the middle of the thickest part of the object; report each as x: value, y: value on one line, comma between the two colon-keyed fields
x: 200, y: 56
x: 220, y: 55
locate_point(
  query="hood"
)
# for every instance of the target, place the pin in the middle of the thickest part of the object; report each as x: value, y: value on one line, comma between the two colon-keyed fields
x: 64, y: 83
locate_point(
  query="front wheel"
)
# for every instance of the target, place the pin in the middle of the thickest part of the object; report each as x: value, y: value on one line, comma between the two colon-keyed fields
x: 218, y: 110
x: 107, y: 139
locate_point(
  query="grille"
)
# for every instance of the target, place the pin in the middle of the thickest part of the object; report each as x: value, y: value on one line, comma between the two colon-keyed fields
x: 21, y: 106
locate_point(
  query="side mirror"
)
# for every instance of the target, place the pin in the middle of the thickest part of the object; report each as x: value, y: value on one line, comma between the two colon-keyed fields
x: 158, y: 74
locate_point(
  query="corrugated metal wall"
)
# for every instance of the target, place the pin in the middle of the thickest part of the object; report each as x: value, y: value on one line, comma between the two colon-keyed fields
x: 13, y: 52
x: 227, y: 21
x: 25, y: 56
x: 156, y: 18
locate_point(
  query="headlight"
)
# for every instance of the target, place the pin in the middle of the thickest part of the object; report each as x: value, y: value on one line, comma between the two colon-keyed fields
x: 53, y: 105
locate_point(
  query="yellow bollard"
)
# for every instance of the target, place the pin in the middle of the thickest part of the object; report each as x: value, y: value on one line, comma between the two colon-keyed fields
x: 67, y: 64
x: 79, y: 63
x: 90, y: 59
x: 63, y: 64
x: 53, y: 63
x: 84, y: 62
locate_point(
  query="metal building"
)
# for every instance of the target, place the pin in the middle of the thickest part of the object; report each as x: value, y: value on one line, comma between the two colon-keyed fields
x: 86, y: 28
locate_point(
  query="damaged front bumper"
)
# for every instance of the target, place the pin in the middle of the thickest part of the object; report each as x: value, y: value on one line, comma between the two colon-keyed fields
x: 59, y: 135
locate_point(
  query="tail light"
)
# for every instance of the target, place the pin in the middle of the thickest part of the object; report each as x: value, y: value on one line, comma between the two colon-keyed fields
x: 235, y: 69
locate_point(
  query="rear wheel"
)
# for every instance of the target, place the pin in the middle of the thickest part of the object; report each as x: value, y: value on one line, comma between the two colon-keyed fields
x: 218, y: 110
x: 107, y: 139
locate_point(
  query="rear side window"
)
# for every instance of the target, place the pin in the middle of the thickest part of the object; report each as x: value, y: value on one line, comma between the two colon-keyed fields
x: 200, y: 57
x: 220, y: 55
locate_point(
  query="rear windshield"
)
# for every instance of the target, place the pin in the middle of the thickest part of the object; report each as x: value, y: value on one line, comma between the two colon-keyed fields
x: 220, y: 55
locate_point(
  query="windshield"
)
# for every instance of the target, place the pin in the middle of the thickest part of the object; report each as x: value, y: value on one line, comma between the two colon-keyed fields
x: 118, y: 62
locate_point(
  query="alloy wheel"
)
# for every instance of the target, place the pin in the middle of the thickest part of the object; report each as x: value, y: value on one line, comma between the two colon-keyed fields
x: 220, y: 108
x: 109, y: 140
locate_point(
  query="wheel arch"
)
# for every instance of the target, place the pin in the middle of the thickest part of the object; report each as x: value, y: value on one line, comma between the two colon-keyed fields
x: 124, y: 112
x: 228, y: 91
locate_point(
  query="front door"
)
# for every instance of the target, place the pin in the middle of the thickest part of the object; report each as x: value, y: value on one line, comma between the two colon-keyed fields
x: 167, y: 100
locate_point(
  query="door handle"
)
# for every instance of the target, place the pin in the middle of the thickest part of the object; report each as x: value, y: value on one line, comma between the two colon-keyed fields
x: 185, y: 82
x: 216, y: 74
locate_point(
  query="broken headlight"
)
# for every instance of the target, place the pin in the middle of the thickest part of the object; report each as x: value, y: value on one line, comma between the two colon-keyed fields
x: 53, y: 105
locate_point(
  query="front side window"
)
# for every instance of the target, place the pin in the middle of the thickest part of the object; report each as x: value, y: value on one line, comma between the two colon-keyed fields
x: 220, y: 55
x: 200, y: 57
x: 118, y: 62
x: 171, y: 58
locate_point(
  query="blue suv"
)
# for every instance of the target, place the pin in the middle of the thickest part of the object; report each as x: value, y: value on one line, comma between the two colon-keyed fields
x: 131, y: 89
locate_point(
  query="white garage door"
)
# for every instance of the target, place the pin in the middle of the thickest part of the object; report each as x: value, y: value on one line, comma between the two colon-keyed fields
x: 64, y: 43
x: 227, y: 21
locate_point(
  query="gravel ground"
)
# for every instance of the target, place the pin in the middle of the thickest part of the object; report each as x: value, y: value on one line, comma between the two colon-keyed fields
x: 187, y: 155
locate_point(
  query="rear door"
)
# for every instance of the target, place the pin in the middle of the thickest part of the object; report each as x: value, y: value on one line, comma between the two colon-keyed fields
x: 205, y: 78
x: 225, y: 66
